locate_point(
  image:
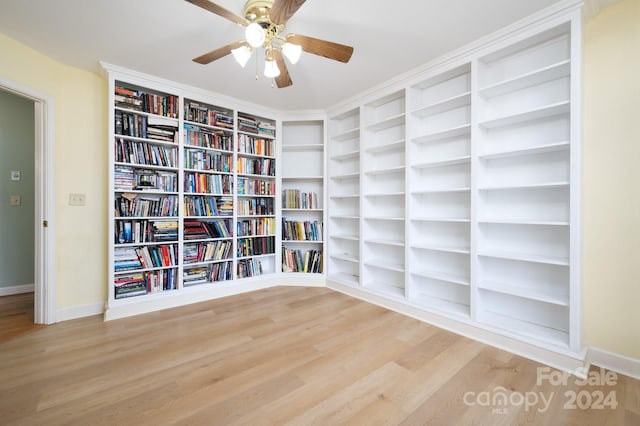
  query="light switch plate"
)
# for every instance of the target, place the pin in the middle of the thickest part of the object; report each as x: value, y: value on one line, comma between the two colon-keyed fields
x: 77, y: 200
x: 15, y: 174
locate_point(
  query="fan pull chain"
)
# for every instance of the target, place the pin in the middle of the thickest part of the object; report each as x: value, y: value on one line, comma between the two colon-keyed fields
x: 256, y: 66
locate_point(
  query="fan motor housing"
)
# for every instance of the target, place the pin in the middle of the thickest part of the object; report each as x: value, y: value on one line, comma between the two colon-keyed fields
x: 258, y: 11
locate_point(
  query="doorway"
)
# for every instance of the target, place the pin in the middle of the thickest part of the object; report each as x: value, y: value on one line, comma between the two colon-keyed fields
x: 43, y: 198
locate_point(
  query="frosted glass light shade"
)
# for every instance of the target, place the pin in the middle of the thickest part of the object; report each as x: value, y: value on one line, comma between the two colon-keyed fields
x: 292, y: 52
x: 271, y: 69
x: 254, y: 34
x: 242, y: 55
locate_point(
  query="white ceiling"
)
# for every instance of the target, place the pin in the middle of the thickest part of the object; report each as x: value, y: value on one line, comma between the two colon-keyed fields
x: 160, y: 37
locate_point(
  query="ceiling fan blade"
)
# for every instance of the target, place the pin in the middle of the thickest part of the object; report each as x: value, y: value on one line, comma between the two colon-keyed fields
x: 221, y: 11
x: 335, y: 51
x: 282, y: 10
x: 284, y: 79
x: 218, y: 53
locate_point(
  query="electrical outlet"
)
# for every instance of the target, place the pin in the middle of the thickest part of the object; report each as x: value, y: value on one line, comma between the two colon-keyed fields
x: 16, y: 200
x: 77, y: 200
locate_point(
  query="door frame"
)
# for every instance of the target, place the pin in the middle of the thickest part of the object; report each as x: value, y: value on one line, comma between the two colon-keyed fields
x: 44, y: 247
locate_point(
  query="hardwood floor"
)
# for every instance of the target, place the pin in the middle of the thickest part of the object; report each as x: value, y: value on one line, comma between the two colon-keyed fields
x: 16, y: 316
x: 286, y: 355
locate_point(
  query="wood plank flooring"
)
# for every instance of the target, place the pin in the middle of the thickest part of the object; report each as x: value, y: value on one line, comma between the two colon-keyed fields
x: 16, y: 316
x: 286, y: 355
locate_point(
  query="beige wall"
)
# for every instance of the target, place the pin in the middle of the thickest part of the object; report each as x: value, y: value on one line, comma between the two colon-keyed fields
x: 611, y: 180
x: 611, y: 170
x: 80, y: 167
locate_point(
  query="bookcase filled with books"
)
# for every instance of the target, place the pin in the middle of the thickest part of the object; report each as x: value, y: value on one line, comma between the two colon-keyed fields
x: 440, y: 191
x: 145, y: 196
x: 302, y: 174
x: 256, y: 195
x: 383, y: 194
x: 344, y: 197
x: 208, y: 203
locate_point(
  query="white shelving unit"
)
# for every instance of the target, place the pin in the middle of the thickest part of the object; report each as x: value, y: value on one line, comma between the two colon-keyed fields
x: 344, y: 188
x: 303, y: 196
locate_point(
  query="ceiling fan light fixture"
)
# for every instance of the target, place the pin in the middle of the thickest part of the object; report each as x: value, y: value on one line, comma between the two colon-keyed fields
x: 271, y: 69
x: 242, y: 55
x: 292, y: 52
x: 255, y: 34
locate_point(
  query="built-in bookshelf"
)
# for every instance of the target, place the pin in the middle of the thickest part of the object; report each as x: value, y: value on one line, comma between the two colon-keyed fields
x: 193, y: 190
x: 344, y: 197
x: 302, y: 196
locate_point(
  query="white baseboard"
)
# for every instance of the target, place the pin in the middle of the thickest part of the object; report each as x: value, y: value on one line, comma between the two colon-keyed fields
x: 16, y: 289
x: 614, y: 362
x: 81, y: 311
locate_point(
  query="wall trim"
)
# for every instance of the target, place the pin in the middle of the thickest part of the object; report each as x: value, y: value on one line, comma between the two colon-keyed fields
x: 16, y: 289
x: 614, y: 362
x: 80, y: 311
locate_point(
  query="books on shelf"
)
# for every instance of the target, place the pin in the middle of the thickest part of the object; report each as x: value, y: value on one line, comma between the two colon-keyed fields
x: 160, y: 104
x: 249, y: 268
x: 202, y: 183
x: 259, y: 226
x: 207, y: 138
x: 249, y: 186
x: 248, y: 144
x: 139, y: 205
x: 145, y: 231
x: 256, y: 166
x: 133, y: 152
x: 309, y: 261
x: 296, y: 199
x: 301, y: 231
x: 204, y: 114
x: 128, y: 179
x: 255, y: 246
x: 222, y: 271
x: 197, y: 159
x: 207, y: 251
x: 208, y: 206
x: 255, y: 207
x: 198, y: 230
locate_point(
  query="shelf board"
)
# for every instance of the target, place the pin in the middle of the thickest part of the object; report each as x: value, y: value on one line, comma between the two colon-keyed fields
x: 533, y: 78
x: 523, y: 222
x: 526, y: 329
x: 247, y: 237
x: 162, y: 217
x: 137, y: 270
x: 255, y: 196
x: 256, y: 176
x: 441, y: 305
x: 207, y: 217
x: 319, y: 178
x: 147, y: 191
x: 303, y: 147
x: 345, y: 257
x: 209, y: 126
x: 346, y: 176
x: 441, y: 219
x: 530, y: 115
x: 382, y: 218
x: 385, y: 289
x: 258, y: 135
x: 344, y: 237
x: 342, y: 197
x: 169, y: 120
x: 249, y: 216
x: 533, y: 258
x: 442, y: 276
x: 206, y: 194
x: 145, y: 166
x: 386, y: 242
x: 302, y: 210
x: 254, y: 256
x: 208, y: 172
x: 541, y: 149
x: 173, y: 144
x: 399, y: 169
x: 343, y: 278
x: 387, y: 123
x: 346, y: 156
x: 250, y: 155
x: 440, y: 190
x: 206, y: 262
x: 303, y: 241
x: 461, y: 100
x: 386, y: 194
x: 347, y: 217
x: 442, y: 163
x: 452, y: 132
x: 148, y: 243
x: 391, y: 146
x: 433, y: 247
x: 538, y: 295
x: 206, y: 240
x: 384, y: 264
x: 204, y: 148
x: 346, y: 135
x: 551, y: 185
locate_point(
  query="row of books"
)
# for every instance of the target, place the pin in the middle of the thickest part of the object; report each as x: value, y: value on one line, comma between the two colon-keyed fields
x: 145, y: 231
x: 255, y: 207
x: 141, y: 283
x: 296, y: 261
x: 207, y: 138
x: 200, y: 230
x: 207, y: 252
x: 256, y: 166
x: 301, y: 231
x: 160, y: 104
x: 208, y: 206
x: 204, y: 114
x: 297, y: 199
x: 145, y: 205
x: 222, y: 271
x: 206, y: 160
x: 202, y: 183
x: 145, y: 257
x: 255, y: 246
x: 253, y: 227
x: 249, y: 268
x: 249, y: 186
x: 127, y: 179
x: 127, y: 151
x: 147, y: 127
x: 248, y: 144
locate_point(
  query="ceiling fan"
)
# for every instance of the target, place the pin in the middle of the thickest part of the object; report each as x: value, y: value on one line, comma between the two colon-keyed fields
x: 264, y: 20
